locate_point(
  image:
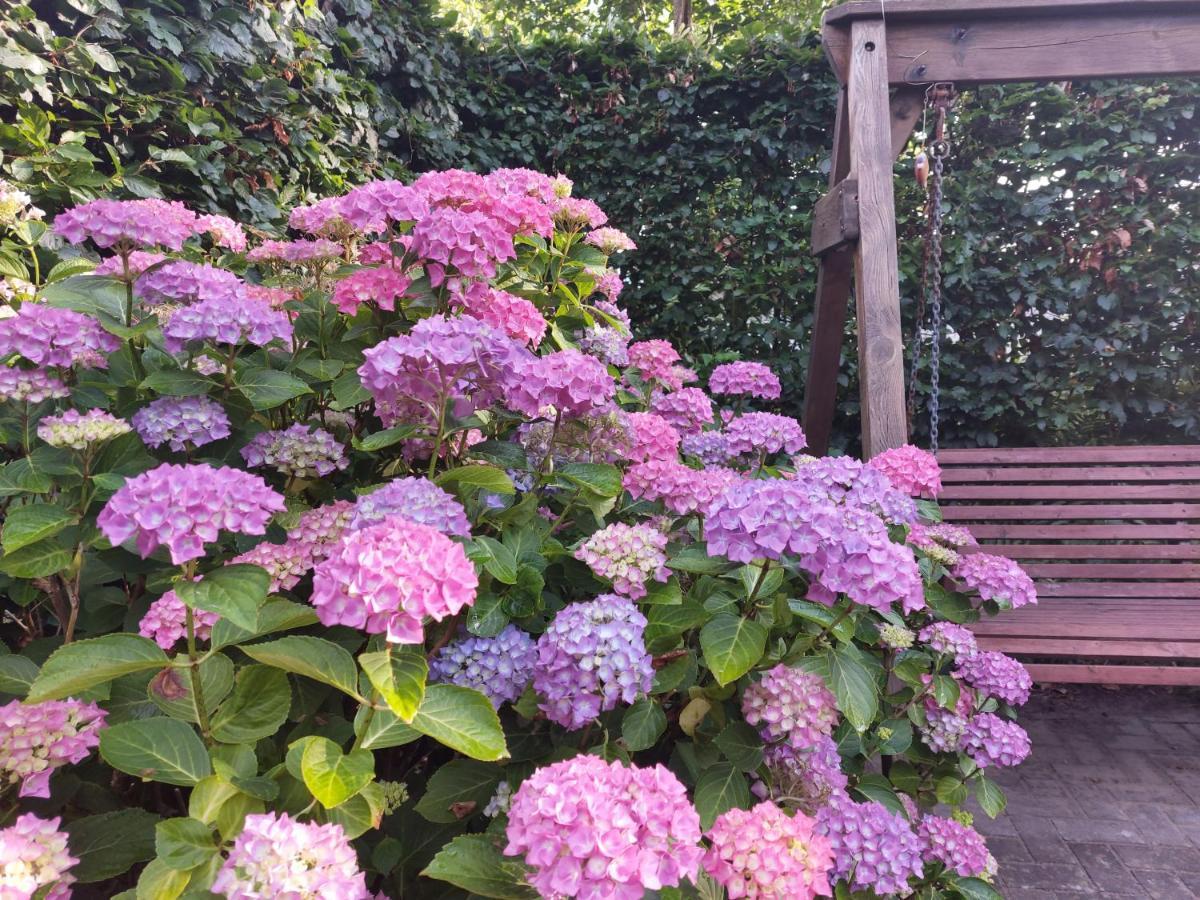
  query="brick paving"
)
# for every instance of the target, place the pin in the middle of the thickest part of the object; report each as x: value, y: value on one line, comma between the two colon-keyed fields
x: 1108, y: 805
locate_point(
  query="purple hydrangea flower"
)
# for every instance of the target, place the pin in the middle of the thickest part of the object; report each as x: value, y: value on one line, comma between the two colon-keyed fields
x: 960, y: 848
x: 844, y: 480
x: 416, y: 499
x: 874, y: 848
x: 165, y: 622
x: 74, y: 430
x: 181, y: 422
x: 591, y: 656
x: 185, y: 507
x: 30, y: 385
x: 377, y: 204
x: 688, y: 409
x: 299, y: 451
x: 609, y: 345
x: 49, y: 336
x: 996, y: 578
x: 759, y: 433
x: 806, y: 778
x: 316, y: 251
x: 992, y: 741
x: 182, y: 282
x: 944, y: 729
x: 952, y: 640
x: 572, y: 383
x: 140, y: 223
x: 1000, y: 676
x: 226, y: 321
x: 751, y: 379
x: 710, y: 447
x: 627, y: 555
x: 499, y: 666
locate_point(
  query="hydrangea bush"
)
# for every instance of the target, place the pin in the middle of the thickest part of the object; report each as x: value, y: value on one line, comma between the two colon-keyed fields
x: 380, y: 560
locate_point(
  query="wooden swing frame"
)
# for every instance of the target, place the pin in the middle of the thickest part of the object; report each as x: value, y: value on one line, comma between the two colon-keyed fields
x: 1131, y: 590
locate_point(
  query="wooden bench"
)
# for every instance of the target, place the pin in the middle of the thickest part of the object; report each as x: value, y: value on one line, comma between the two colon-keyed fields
x: 1111, y: 535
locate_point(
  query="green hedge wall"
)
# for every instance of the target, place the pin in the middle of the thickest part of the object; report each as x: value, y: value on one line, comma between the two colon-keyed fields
x: 1073, y: 293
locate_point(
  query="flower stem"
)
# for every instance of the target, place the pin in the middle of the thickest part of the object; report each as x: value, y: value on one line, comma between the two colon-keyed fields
x: 194, y: 669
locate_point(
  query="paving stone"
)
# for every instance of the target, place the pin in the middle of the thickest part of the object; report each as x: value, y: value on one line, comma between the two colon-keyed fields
x: 1105, y: 868
x: 1008, y: 850
x: 1047, y: 877
x: 1042, y: 839
x: 1150, y: 856
x: 1099, y: 831
x: 1164, y: 885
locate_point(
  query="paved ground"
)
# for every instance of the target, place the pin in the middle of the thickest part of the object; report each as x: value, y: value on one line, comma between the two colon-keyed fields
x: 1108, y: 805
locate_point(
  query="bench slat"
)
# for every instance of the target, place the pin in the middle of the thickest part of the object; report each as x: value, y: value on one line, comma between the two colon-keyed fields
x: 1080, y: 455
x: 1119, y: 571
x: 1101, y: 474
x: 1175, y: 492
x: 1082, y: 511
x: 1180, y: 590
x: 1072, y: 532
x: 1135, y: 551
x: 1179, y: 676
x: 1152, y: 647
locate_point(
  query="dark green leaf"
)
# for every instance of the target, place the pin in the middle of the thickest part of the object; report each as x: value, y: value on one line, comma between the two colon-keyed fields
x: 311, y: 657
x: 184, y: 843
x: 474, y: 863
x: 72, y: 669
x: 234, y: 592
x: 165, y: 750
x: 25, y: 525
x: 643, y: 724
x: 399, y: 674
x: 257, y: 708
x: 721, y: 787
x: 459, y: 789
x: 108, y: 844
x: 731, y: 646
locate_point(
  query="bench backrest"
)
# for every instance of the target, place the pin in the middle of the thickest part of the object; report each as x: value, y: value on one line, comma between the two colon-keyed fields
x: 1085, y: 522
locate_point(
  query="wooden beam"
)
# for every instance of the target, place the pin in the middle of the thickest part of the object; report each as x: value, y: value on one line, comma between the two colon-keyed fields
x: 829, y: 310
x: 1023, y: 40
x: 906, y: 105
x: 835, y: 218
x: 876, y: 276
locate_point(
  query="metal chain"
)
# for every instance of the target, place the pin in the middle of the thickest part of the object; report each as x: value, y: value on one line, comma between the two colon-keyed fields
x: 939, y: 152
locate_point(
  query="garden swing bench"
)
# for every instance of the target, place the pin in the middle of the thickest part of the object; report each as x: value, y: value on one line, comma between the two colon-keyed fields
x: 1110, y: 534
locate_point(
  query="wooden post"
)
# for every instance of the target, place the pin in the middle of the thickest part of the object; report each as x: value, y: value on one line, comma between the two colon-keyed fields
x: 829, y: 311
x: 876, y: 270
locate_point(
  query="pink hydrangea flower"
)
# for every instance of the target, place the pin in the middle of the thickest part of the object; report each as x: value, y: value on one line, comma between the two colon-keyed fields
x: 958, y: 847
x: 472, y: 244
x: 37, y: 738
x: 416, y: 499
x: 274, y: 297
x: 224, y: 231
x: 992, y: 741
x: 628, y: 556
x: 910, y: 469
x: 49, y: 336
x: 996, y: 675
x: 526, y: 182
x: 592, y: 829
x: 651, y: 437
x: 765, y: 853
x: 592, y: 656
x: 140, y: 223
x: 30, y: 385
x: 874, y: 848
x: 276, y: 856
x: 688, y: 410
x: 181, y: 422
x: 286, y: 563
x: 570, y: 382
x: 324, y: 218
x: 74, y: 430
x: 185, y: 507
x: 386, y: 578
x: 750, y: 379
x: 654, y: 359
x: 573, y: 213
x: 411, y: 374
x: 165, y: 621
x: 610, y: 241
x: 846, y: 481
x: 378, y: 204
x: 226, y: 321
x: 507, y: 313
x: 682, y: 489
x: 299, y: 451
x: 319, y: 250
x: 34, y: 860
x: 791, y: 705
x: 996, y: 578
x: 806, y: 778
x: 759, y: 433
x: 380, y: 287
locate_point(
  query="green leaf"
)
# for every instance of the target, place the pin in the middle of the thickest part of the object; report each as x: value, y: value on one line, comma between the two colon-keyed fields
x: 599, y: 478
x: 852, y: 680
x: 467, y: 478
x: 731, y: 646
x: 233, y: 592
x: 899, y: 740
x: 741, y: 745
x: 381, y: 439
x: 24, y: 476
x: 458, y: 789
x: 274, y: 615
x: 159, y: 881
x: 506, y: 454
x: 171, y: 689
x: 474, y: 863
x: 721, y: 787
x: 184, y: 843
x: 951, y: 790
x: 976, y: 889
x: 399, y: 675
x: 108, y: 844
x: 949, y: 605
x: 334, y: 777
x: 463, y: 720
x: 383, y: 730
x: 665, y: 593
x: 160, y: 749
x: 312, y: 657
x: 267, y: 388
x: 497, y: 559
x: 17, y: 673
x: 25, y: 525
x: 36, y: 560
x: 643, y: 724
x: 361, y: 813
x: 990, y: 796
x: 177, y: 383
x: 74, y: 668
x: 879, y: 789
x: 258, y: 707
x: 695, y: 559
x: 348, y: 391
